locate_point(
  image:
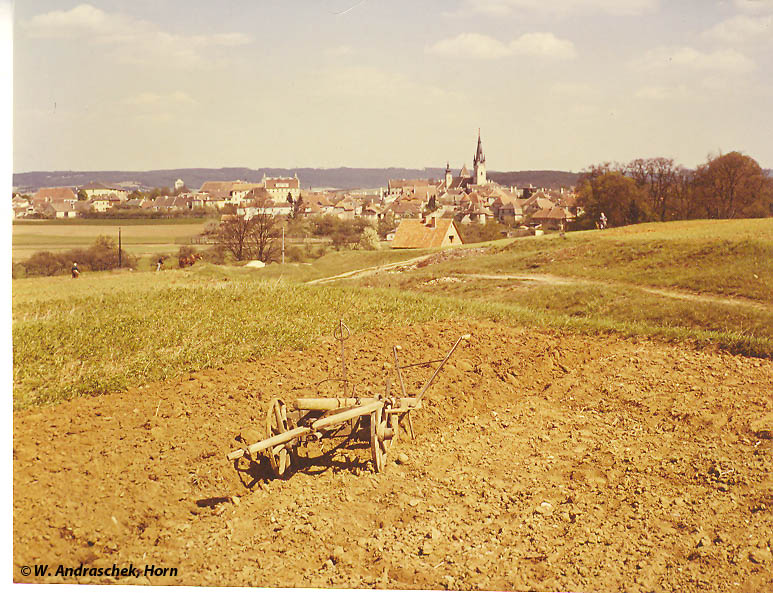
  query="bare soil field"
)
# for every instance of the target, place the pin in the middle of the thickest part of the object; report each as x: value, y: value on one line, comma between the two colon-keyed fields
x: 542, y: 461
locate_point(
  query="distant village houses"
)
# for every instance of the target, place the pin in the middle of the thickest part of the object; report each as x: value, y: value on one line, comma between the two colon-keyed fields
x: 468, y: 197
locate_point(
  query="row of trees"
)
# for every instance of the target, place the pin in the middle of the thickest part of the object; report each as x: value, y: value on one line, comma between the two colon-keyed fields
x: 102, y: 255
x: 732, y: 185
x: 259, y: 236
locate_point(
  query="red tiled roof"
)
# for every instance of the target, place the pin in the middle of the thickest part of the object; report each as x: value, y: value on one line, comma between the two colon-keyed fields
x: 55, y: 193
x: 275, y: 183
x: 415, y: 234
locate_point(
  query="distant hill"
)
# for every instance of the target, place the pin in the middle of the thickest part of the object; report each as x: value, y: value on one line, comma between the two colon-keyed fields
x: 340, y: 178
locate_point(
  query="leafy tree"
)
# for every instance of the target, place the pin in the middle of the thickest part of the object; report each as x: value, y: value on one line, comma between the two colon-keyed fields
x: 369, y: 239
x: 386, y: 224
x: 617, y: 196
x: 82, y: 195
x: 730, y: 184
x: 476, y: 232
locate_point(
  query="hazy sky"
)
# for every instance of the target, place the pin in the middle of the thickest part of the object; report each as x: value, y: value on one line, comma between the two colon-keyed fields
x: 553, y: 84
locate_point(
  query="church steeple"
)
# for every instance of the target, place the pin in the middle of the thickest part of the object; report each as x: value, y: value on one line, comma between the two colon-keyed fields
x: 479, y: 163
x: 449, y: 176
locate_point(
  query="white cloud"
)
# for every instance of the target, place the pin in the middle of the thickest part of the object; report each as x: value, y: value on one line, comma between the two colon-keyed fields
x: 754, y: 6
x: 129, y: 39
x: 476, y: 45
x: 543, y: 44
x: 742, y: 29
x: 689, y: 58
x: 559, y: 7
x: 470, y: 45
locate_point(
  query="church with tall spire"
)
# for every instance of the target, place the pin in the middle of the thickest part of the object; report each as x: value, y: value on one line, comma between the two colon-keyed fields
x: 464, y: 180
x: 479, y: 164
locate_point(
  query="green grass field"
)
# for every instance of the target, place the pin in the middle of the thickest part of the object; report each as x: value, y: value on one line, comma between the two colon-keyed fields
x: 719, y: 257
x: 139, y: 237
x: 108, y: 331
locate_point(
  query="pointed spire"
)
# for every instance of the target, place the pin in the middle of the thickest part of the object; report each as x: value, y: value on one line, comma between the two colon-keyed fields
x: 479, y: 156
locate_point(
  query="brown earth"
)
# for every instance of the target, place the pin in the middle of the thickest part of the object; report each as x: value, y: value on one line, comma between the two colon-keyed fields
x: 542, y: 461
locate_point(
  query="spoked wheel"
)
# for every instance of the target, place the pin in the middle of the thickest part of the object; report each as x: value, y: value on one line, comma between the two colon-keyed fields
x: 375, y: 445
x: 381, y: 434
x: 280, y: 457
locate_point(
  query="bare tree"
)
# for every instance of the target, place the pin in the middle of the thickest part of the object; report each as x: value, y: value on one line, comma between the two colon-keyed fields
x: 233, y: 235
x: 658, y: 177
x: 262, y: 237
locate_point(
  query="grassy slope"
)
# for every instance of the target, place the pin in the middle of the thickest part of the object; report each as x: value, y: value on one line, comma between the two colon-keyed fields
x: 108, y: 331
x: 719, y: 257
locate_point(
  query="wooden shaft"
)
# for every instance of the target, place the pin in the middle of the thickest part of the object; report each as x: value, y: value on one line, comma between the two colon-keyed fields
x: 330, y: 403
x: 269, y: 442
x: 339, y: 403
x: 347, y: 415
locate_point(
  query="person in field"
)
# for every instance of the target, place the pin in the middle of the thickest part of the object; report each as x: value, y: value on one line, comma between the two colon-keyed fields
x: 159, y: 264
x: 75, y: 271
x: 603, y: 221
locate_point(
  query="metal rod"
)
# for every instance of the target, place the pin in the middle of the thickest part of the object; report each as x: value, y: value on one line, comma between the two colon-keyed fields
x: 399, y: 372
x: 442, y: 364
x: 418, y: 364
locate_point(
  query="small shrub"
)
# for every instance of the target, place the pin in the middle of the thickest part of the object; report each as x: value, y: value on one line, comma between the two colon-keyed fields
x: 215, y: 255
x: 295, y: 253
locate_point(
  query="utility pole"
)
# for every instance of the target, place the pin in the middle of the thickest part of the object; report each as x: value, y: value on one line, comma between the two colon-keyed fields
x: 283, y: 245
x: 119, y: 247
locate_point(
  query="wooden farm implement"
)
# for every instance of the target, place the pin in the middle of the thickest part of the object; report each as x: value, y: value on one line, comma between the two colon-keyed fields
x: 315, y: 418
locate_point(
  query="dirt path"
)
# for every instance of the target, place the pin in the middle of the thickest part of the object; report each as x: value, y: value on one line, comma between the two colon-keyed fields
x: 551, y: 279
x: 669, y: 293
x: 371, y: 270
x: 542, y: 461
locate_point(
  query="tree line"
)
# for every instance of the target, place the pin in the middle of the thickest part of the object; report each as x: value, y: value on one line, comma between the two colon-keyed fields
x: 730, y: 185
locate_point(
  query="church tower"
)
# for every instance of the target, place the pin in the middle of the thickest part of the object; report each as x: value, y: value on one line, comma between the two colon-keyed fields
x: 479, y: 163
x: 449, y: 176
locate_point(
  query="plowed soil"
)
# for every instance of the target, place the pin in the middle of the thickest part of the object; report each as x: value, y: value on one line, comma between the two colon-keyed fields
x: 541, y: 461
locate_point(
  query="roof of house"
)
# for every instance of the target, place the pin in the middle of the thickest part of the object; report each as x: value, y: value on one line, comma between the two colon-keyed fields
x: 55, y: 193
x: 282, y: 183
x: 418, y: 234
x: 408, y: 183
x: 554, y: 213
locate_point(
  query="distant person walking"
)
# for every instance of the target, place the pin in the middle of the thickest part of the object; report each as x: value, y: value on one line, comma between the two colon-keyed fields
x: 603, y: 221
x: 159, y: 264
x: 75, y: 271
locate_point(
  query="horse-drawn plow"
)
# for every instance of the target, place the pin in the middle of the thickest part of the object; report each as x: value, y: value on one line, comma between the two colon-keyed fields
x: 378, y: 418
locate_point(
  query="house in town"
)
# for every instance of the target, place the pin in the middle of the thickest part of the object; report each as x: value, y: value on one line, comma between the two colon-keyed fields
x: 99, y: 190
x: 425, y: 233
x: 280, y: 188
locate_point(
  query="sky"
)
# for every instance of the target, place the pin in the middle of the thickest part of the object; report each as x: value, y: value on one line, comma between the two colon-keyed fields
x: 551, y: 84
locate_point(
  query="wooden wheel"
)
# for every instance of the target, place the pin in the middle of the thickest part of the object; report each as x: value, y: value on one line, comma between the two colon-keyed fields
x: 393, y: 429
x: 381, y: 435
x: 379, y: 455
x: 280, y: 457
